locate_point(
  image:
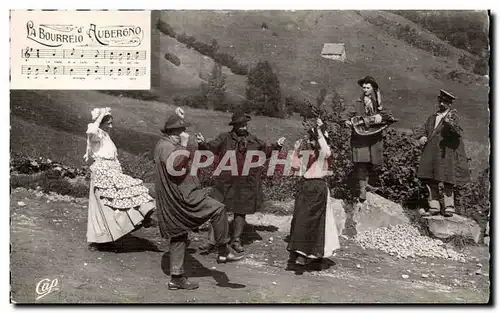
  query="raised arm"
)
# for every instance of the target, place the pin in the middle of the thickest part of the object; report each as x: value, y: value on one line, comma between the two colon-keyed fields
x: 93, y: 128
x: 325, y: 148
x: 214, y: 145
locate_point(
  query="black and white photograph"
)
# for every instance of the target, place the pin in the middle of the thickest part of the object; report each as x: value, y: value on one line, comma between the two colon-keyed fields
x: 275, y: 157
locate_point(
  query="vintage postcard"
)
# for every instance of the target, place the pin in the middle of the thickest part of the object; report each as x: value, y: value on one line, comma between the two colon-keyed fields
x: 250, y: 156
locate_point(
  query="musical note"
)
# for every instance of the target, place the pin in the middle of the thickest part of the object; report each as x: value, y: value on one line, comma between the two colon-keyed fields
x: 82, y: 70
x: 82, y: 54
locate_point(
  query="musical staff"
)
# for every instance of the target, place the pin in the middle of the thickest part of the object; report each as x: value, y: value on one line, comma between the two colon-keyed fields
x: 84, y: 54
x: 35, y: 70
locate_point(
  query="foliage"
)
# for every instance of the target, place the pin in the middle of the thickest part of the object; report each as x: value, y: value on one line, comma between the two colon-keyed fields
x: 409, y: 34
x: 263, y: 92
x: 210, y: 50
x: 215, y: 93
x: 173, y: 58
x: 467, y: 30
x: 146, y: 95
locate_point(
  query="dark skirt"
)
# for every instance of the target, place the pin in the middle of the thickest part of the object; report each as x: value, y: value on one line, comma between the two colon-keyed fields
x: 312, y: 223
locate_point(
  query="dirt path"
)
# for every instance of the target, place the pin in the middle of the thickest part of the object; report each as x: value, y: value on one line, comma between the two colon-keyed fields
x: 48, y: 241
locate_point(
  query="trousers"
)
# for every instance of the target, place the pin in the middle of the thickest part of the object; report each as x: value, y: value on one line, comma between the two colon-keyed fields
x: 433, y: 199
x: 178, y: 244
x: 364, y: 173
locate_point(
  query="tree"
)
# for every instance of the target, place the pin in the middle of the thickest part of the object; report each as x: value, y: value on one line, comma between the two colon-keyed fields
x: 215, y: 92
x: 263, y: 91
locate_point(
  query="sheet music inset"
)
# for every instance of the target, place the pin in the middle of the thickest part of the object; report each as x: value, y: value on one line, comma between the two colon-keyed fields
x: 96, y: 50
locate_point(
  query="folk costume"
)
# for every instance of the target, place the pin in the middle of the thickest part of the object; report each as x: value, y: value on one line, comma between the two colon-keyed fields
x: 242, y: 194
x: 183, y: 205
x: 367, y: 149
x: 313, y: 231
x: 443, y: 157
x: 118, y: 203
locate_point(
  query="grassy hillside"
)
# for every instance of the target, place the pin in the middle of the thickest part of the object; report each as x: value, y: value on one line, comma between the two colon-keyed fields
x: 409, y: 77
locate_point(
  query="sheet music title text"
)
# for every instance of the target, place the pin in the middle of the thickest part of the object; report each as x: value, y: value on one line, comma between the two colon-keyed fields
x: 111, y: 36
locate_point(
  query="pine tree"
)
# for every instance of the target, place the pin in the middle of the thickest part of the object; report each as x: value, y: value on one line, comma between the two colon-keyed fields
x: 263, y: 91
x: 215, y: 92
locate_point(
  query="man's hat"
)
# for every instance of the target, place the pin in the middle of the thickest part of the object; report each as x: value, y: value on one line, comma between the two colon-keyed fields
x: 240, y: 118
x: 175, y: 120
x: 368, y: 80
x: 445, y: 96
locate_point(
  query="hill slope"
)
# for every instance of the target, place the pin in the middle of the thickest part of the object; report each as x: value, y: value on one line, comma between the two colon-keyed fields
x: 409, y: 77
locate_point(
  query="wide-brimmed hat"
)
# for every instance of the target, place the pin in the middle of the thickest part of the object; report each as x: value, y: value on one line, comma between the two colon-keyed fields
x: 445, y: 96
x: 175, y: 121
x: 240, y: 118
x: 368, y: 80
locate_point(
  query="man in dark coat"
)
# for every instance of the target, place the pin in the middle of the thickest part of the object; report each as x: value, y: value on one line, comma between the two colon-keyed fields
x: 367, y: 151
x: 242, y: 194
x: 443, y: 157
x: 183, y: 204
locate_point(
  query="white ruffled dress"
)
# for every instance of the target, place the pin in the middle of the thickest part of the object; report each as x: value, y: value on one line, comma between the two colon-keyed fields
x: 118, y: 203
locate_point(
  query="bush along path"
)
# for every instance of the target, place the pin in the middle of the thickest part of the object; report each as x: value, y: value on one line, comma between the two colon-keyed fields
x: 48, y: 242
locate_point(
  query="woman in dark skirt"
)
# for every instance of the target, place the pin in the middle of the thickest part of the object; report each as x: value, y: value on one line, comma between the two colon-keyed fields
x: 313, y: 233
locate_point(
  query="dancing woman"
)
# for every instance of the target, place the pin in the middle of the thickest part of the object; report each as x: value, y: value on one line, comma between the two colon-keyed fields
x: 313, y: 232
x: 118, y: 203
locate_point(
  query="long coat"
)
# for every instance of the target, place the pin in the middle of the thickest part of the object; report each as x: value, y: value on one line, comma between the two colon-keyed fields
x: 182, y: 203
x: 367, y: 149
x: 443, y: 157
x: 241, y: 194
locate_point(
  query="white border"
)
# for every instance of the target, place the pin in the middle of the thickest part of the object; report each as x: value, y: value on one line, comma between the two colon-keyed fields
x: 242, y: 5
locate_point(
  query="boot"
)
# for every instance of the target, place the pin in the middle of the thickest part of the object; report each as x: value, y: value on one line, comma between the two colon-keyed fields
x: 226, y: 256
x: 238, y: 225
x: 177, y: 283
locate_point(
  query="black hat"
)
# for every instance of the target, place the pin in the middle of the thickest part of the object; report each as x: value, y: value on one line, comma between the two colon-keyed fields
x: 368, y: 80
x: 240, y: 118
x: 175, y: 120
x: 445, y: 96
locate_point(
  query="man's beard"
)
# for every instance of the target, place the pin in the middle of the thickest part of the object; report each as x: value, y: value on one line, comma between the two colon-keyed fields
x: 241, y: 132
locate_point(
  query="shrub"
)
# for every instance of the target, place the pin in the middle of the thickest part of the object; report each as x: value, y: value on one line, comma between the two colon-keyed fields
x: 481, y: 67
x: 165, y: 28
x: 173, y: 58
x: 146, y: 95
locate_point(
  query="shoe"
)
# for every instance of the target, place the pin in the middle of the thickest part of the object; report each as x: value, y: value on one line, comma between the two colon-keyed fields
x: 182, y: 283
x: 434, y: 211
x: 449, y: 211
x: 423, y: 212
x: 230, y: 257
x: 236, y: 245
x: 300, y: 260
